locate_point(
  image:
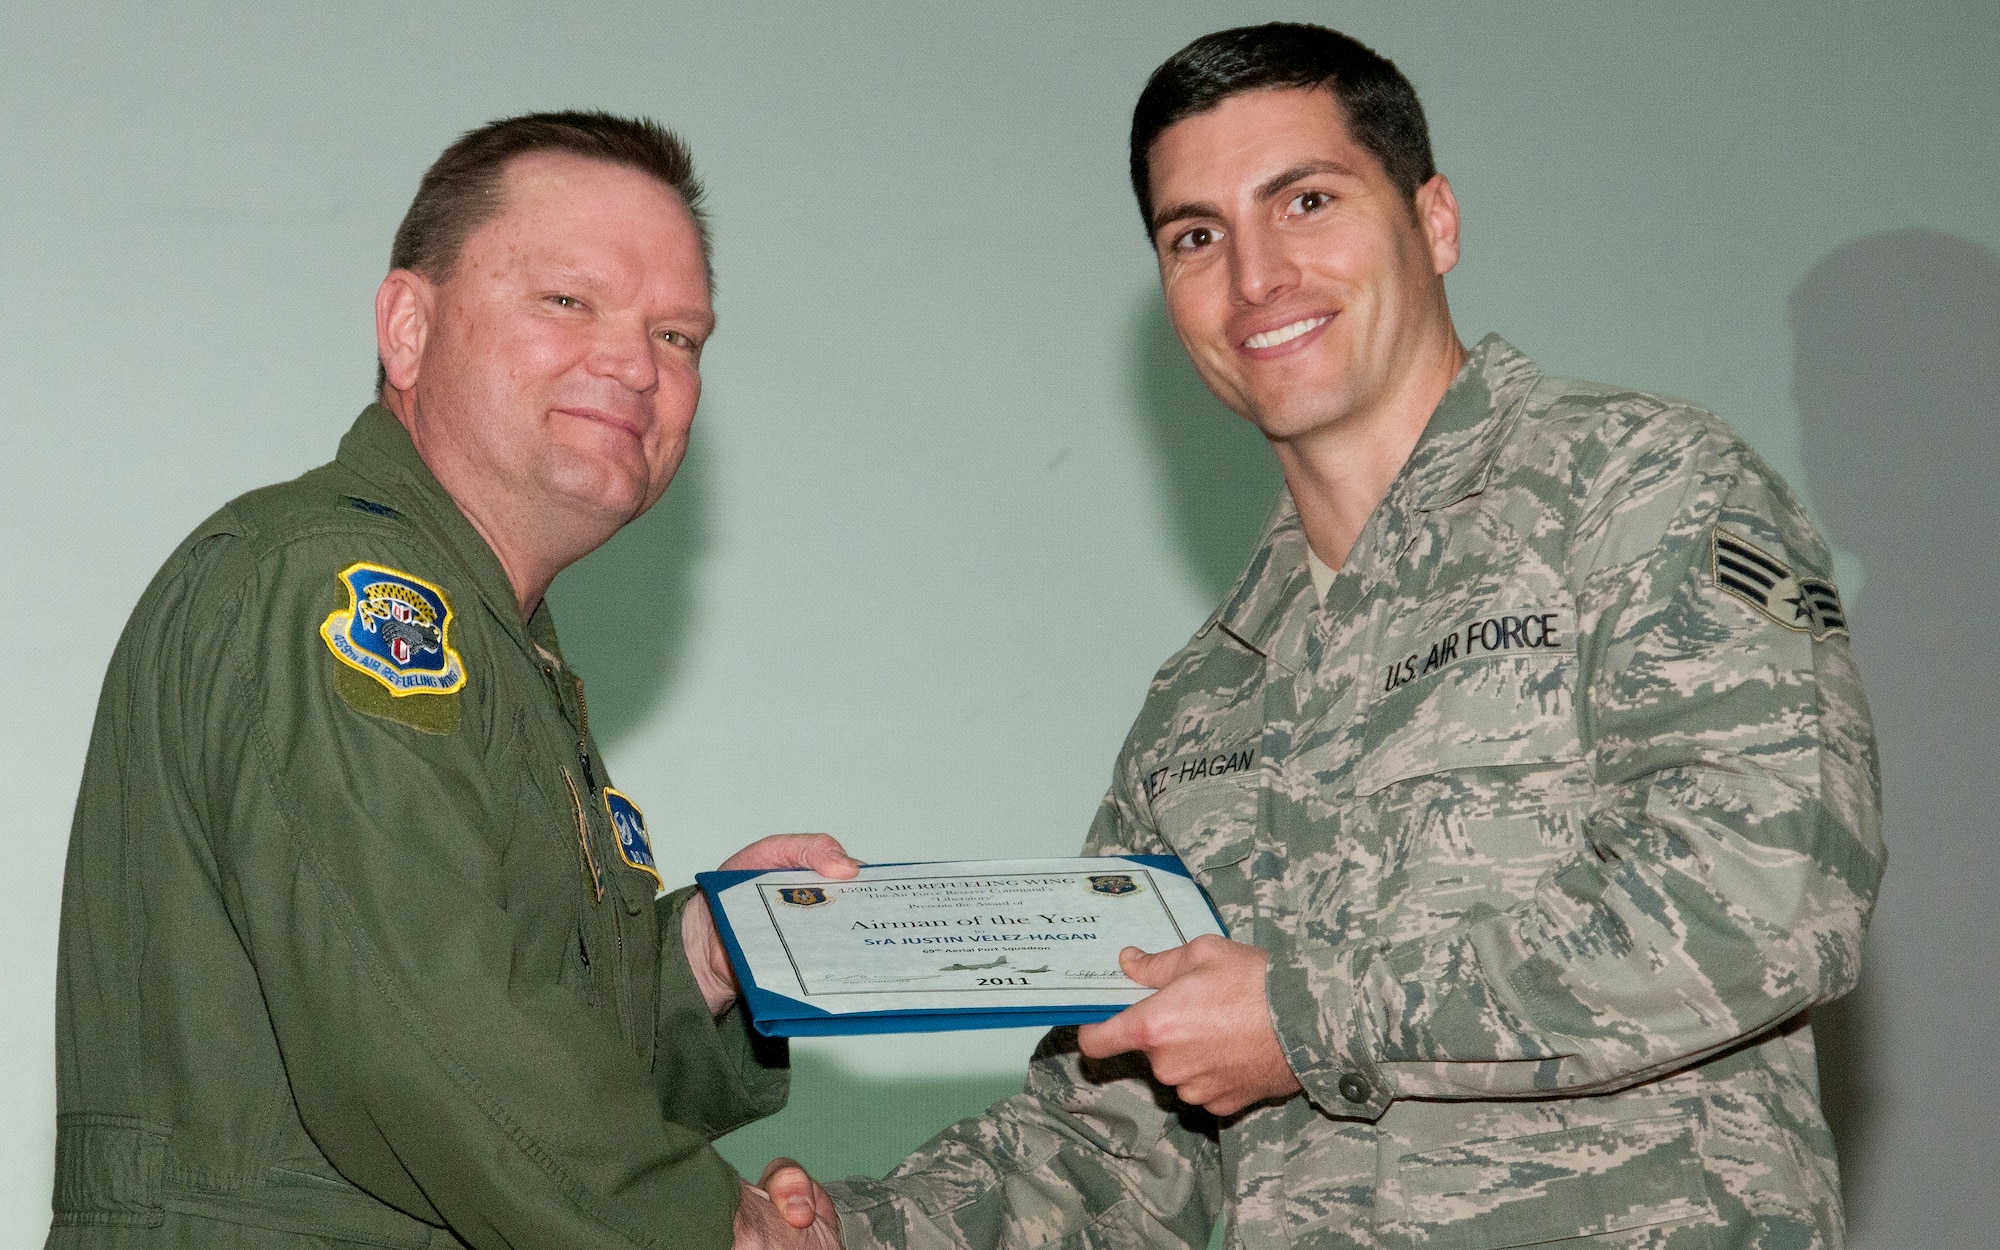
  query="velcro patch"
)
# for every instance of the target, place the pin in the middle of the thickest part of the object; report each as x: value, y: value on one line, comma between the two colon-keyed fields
x: 1809, y: 605
x: 629, y: 823
x: 396, y: 628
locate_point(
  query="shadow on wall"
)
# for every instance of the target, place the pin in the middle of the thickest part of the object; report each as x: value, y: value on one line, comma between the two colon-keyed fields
x: 1897, y: 381
x: 1218, y: 471
x: 624, y: 611
x: 839, y: 1124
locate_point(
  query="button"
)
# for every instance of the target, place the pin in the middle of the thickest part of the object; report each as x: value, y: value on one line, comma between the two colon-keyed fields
x: 1354, y: 1089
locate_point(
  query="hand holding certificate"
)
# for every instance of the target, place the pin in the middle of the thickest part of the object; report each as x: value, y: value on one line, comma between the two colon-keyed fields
x: 906, y: 948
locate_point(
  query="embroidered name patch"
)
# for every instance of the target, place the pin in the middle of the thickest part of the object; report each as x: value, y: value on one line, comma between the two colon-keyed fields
x: 1809, y: 605
x: 397, y: 629
x: 1185, y: 768
x: 629, y: 823
x: 1513, y: 633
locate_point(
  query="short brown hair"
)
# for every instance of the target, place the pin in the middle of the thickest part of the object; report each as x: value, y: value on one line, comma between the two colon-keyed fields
x: 461, y: 190
x: 1378, y: 104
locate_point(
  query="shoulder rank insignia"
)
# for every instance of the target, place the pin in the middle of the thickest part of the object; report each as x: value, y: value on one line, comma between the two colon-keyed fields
x: 629, y: 823
x: 1114, y: 883
x: 397, y: 629
x: 1809, y: 605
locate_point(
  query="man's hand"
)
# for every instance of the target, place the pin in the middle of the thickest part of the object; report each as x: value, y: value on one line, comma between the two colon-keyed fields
x: 788, y: 1210
x: 1207, y: 1032
x: 705, y: 954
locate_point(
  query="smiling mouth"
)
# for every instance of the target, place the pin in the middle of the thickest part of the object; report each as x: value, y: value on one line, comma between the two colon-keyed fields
x: 1285, y: 334
x: 602, y: 418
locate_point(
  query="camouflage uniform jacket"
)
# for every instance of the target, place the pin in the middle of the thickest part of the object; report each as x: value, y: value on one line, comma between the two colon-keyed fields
x: 1555, y: 818
x: 344, y: 966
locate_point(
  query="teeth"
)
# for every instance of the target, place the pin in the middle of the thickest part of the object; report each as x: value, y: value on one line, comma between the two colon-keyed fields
x: 1285, y: 334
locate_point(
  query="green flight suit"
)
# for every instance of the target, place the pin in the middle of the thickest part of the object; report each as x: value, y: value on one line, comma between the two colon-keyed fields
x: 344, y: 965
x: 1555, y: 817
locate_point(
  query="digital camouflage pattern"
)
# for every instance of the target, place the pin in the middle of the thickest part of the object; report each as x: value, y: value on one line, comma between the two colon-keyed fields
x: 342, y: 967
x: 1552, y: 843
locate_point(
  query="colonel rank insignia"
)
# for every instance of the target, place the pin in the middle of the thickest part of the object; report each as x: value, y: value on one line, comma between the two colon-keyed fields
x: 629, y: 823
x: 397, y: 629
x: 1809, y: 605
x: 1114, y: 883
x: 803, y: 895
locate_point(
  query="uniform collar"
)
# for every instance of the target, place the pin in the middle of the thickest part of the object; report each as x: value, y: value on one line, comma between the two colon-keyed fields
x: 1451, y: 462
x: 378, y: 449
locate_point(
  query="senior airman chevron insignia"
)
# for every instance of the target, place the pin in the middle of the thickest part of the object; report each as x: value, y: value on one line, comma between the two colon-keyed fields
x: 1809, y: 605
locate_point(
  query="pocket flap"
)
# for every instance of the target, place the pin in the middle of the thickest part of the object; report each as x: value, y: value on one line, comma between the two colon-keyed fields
x: 1507, y: 710
x: 1578, y: 1182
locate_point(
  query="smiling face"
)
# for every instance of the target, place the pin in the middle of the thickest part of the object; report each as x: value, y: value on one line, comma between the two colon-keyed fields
x: 1308, y: 294
x: 551, y: 380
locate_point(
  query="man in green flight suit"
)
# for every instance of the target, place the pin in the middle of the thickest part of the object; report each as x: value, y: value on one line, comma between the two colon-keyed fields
x: 1562, y: 808
x: 359, y: 943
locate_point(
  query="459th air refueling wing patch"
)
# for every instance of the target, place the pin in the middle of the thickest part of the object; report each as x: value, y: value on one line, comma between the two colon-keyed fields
x: 1809, y: 605
x: 397, y: 629
x: 629, y: 823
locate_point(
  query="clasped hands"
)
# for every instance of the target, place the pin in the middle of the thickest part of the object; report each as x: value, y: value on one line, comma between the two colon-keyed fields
x: 1206, y: 1031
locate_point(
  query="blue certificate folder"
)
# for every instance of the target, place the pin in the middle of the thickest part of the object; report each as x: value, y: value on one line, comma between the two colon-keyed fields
x: 787, y: 1014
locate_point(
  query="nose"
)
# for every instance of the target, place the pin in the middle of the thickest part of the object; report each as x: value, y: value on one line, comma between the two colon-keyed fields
x: 625, y: 355
x: 1260, y: 268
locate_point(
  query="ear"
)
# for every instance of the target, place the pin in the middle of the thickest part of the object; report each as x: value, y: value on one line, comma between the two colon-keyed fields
x: 1437, y: 213
x: 404, y: 306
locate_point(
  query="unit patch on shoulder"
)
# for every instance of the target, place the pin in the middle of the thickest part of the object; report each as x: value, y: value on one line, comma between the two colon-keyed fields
x: 397, y: 629
x: 629, y: 823
x: 1809, y: 605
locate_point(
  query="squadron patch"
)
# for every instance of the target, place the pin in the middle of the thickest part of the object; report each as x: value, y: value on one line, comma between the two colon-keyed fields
x: 629, y: 823
x: 1809, y: 605
x: 397, y: 629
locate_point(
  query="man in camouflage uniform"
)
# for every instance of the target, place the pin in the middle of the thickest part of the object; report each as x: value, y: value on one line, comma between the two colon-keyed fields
x: 359, y: 944
x: 1561, y: 800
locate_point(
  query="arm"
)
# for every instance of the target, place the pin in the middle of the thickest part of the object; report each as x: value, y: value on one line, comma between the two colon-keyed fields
x: 713, y: 1071
x: 1726, y: 866
x: 378, y: 877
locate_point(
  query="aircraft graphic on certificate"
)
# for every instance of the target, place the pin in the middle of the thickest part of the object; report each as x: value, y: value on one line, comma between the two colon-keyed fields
x: 972, y: 944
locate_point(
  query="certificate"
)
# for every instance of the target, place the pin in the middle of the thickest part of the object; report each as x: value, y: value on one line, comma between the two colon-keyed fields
x: 973, y: 944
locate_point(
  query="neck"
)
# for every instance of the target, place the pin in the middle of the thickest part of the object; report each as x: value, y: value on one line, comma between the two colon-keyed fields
x: 531, y: 549
x: 1338, y: 473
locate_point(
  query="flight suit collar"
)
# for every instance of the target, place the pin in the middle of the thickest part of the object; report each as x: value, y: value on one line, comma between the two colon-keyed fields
x: 1270, y: 609
x: 377, y: 448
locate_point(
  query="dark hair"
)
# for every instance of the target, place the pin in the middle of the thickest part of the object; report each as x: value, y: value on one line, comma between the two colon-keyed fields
x: 461, y: 190
x: 1379, y: 104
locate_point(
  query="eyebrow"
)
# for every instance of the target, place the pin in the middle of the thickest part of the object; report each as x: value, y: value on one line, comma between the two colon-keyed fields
x: 1267, y: 189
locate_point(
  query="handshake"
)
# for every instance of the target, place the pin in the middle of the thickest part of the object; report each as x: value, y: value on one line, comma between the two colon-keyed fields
x: 786, y: 1209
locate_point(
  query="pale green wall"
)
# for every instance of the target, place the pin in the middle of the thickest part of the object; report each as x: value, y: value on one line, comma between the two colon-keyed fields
x: 954, y: 494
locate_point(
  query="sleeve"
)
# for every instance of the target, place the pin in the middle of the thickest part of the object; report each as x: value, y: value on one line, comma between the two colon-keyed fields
x: 1730, y: 854
x: 1091, y: 1153
x: 374, y: 874
x: 713, y: 1074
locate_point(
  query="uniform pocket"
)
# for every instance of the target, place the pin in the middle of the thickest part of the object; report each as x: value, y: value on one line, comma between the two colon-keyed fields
x: 1489, y: 712
x: 1593, y: 1181
x: 1212, y: 826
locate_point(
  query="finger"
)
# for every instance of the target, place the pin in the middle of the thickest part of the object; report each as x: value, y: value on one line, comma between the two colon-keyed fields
x: 1112, y: 1037
x: 817, y: 851
x: 1153, y: 971
x: 792, y: 1192
x: 823, y: 853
